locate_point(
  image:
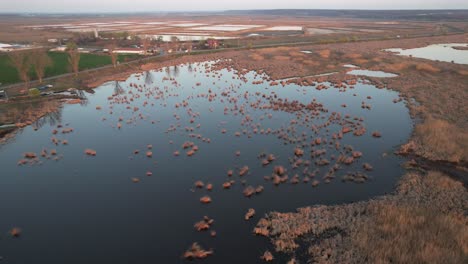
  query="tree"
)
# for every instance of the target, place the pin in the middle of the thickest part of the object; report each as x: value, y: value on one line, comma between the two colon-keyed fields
x: 145, y: 42
x: 160, y: 40
x: 175, y: 43
x: 189, y: 45
x: 114, y: 56
x: 40, y: 61
x: 22, y: 62
x: 202, y: 43
x: 73, y: 57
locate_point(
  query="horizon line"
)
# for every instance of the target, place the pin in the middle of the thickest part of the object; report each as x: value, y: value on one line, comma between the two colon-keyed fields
x: 227, y: 10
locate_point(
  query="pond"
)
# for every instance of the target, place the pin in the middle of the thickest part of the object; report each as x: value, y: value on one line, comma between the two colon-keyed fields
x: 369, y: 73
x: 439, y: 52
x: 124, y: 206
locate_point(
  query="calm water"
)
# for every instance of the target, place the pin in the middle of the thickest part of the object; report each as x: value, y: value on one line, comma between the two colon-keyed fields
x: 440, y: 52
x: 369, y: 73
x: 83, y: 209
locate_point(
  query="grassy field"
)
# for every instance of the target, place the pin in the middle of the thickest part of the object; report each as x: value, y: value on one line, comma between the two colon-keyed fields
x: 9, y: 75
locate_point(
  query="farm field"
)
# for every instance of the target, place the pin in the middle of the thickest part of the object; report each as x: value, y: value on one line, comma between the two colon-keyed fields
x: 60, y: 65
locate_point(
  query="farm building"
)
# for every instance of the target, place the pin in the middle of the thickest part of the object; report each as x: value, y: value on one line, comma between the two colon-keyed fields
x: 129, y: 51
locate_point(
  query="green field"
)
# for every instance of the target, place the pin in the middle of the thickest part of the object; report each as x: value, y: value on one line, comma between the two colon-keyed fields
x: 9, y: 75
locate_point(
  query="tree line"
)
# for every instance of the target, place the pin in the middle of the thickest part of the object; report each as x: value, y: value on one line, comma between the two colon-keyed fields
x: 39, y: 60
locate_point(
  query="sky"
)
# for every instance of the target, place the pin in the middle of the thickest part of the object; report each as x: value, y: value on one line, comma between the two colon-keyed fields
x: 75, y: 6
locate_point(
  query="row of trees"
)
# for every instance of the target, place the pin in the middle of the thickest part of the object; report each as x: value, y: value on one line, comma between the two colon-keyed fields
x: 39, y: 60
x: 24, y: 60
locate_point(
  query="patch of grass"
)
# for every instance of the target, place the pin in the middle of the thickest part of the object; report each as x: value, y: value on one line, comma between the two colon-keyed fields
x: 8, y: 74
x: 59, y: 65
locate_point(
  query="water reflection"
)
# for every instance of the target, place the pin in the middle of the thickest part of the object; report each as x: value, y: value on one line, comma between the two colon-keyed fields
x: 52, y: 119
x: 25, y: 112
x: 118, y: 89
x: 148, y: 77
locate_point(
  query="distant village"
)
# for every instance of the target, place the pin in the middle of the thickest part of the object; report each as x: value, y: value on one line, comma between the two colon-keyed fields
x: 121, y: 44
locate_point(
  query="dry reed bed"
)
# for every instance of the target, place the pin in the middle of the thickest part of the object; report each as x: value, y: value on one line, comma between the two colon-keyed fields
x: 423, y: 222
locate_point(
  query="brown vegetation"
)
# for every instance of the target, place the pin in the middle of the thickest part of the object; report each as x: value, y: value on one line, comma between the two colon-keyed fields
x: 15, y: 232
x: 409, y: 234
x: 423, y: 222
x: 250, y: 213
x: 427, y: 68
x: 197, y: 252
x: 440, y: 140
x: 90, y: 152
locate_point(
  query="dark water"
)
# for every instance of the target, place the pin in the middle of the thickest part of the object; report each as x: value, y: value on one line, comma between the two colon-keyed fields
x: 83, y: 209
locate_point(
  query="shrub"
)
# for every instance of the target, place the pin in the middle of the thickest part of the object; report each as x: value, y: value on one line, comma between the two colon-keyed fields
x: 427, y: 68
x: 33, y: 92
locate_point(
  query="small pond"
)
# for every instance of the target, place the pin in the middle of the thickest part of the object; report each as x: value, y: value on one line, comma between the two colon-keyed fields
x: 454, y: 52
x: 369, y: 73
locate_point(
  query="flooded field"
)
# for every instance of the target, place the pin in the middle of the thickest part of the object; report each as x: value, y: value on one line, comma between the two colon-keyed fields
x: 197, y: 37
x: 129, y: 175
x: 454, y: 52
x: 226, y: 27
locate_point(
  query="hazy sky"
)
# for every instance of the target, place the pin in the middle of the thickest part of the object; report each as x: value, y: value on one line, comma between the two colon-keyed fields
x: 197, y: 5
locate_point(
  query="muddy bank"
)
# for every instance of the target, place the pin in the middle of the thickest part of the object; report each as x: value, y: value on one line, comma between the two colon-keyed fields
x: 429, y: 207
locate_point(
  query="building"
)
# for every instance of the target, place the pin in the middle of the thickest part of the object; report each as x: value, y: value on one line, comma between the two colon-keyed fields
x: 212, y: 43
x: 59, y: 49
x: 12, y: 47
x: 129, y: 51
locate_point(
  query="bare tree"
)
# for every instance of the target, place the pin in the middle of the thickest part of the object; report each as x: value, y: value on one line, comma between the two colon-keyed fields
x: 40, y: 61
x: 189, y: 45
x: 22, y: 62
x: 73, y: 57
x: 175, y: 43
x: 114, y: 56
x: 145, y: 42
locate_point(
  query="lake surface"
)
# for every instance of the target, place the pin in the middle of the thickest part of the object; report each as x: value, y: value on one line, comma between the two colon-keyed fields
x: 439, y: 52
x: 84, y: 209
